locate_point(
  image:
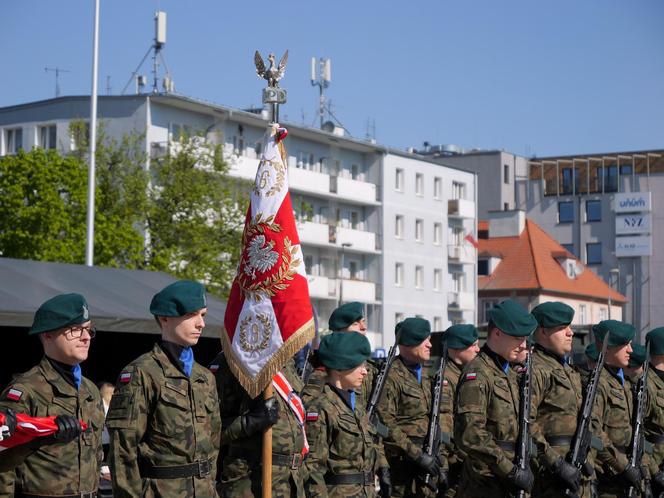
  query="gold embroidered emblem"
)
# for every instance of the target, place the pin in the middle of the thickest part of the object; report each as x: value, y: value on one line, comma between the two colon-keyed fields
x: 255, y: 335
x: 264, y: 178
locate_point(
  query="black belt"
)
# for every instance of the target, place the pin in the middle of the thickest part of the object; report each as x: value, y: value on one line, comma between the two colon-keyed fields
x: 199, y: 468
x: 506, y: 445
x: 292, y: 460
x: 365, y: 478
x: 655, y: 439
x: 93, y: 494
x: 559, y: 440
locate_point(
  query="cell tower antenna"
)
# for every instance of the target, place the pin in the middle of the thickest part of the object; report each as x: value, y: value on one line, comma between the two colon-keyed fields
x: 321, y: 76
x: 57, y: 72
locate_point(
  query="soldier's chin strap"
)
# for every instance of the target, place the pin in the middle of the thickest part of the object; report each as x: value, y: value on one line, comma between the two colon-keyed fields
x: 284, y: 389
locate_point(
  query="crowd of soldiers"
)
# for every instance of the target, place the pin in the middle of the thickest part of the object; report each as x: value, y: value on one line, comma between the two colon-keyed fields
x: 510, y: 418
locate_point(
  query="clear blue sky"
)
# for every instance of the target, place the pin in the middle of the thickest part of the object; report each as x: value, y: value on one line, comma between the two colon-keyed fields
x: 528, y: 76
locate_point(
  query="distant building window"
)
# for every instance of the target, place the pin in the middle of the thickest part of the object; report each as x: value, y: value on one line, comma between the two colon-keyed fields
x: 594, y: 210
x: 437, y: 188
x: 305, y: 160
x: 437, y: 324
x: 566, y: 212
x: 419, y: 277
x: 506, y: 173
x: 437, y: 234
x: 398, y: 180
x: 354, y: 171
x: 487, y: 304
x: 483, y: 267
x: 458, y: 190
x: 437, y: 279
x: 181, y: 132
x: 594, y: 253
x: 419, y: 184
x: 626, y: 169
x: 398, y: 227
x: 13, y: 140
x: 419, y: 230
x: 47, y: 137
x: 398, y: 274
x: 506, y: 206
x: 583, y: 316
x: 602, y: 314
x: 608, y: 176
x: 569, y: 248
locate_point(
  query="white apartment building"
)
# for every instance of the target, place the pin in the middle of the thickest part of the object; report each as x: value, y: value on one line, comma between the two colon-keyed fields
x: 347, y: 194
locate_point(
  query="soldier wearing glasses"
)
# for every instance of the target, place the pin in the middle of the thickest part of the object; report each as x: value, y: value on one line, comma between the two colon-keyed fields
x: 67, y: 463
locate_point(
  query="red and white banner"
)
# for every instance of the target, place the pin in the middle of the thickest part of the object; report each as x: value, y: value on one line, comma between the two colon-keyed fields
x: 27, y: 429
x: 268, y: 315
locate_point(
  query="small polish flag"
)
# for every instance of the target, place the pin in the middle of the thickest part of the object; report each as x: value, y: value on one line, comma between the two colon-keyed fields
x: 471, y: 376
x: 312, y: 416
x: 125, y: 377
x: 471, y: 240
x: 214, y: 368
x: 14, y: 394
x: 445, y: 382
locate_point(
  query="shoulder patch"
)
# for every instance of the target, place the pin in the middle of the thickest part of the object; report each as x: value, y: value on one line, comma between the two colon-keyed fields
x: 312, y: 416
x: 214, y: 368
x: 125, y: 377
x: 445, y: 382
x: 471, y: 376
x: 14, y: 394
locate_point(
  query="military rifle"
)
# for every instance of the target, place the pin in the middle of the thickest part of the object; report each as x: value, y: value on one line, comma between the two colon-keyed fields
x: 432, y: 441
x: 581, y: 441
x: 377, y: 391
x: 637, y: 443
x: 522, y: 453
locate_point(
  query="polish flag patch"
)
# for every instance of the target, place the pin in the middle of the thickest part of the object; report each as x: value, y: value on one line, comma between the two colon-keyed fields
x: 125, y: 377
x: 214, y: 368
x: 14, y: 394
x: 445, y: 382
x: 471, y: 376
x: 312, y: 416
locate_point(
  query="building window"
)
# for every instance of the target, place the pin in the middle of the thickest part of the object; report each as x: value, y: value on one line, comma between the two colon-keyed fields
x: 566, y: 212
x: 626, y: 169
x: 398, y: 227
x: 593, y: 210
x: 354, y: 172
x: 569, y: 248
x: 437, y: 324
x: 398, y: 318
x: 506, y: 206
x: 355, y: 220
x: 398, y: 180
x: 437, y: 188
x: 309, y: 265
x: 352, y: 268
x: 181, y: 132
x: 506, y: 173
x: 13, y: 140
x: 437, y: 234
x: 458, y: 190
x: 483, y: 267
x: 487, y: 304
x: 398, y: 274
x: 305, y: 160
x: 47, y: 137
x: 437, y: 279
x: 602, y: 314
x: 583, y: 317
x: 419, y: 184
x: 609, y: 177
x: 419, y: 277
x: 594, y: 253
x: 458, y: 282
x: 419, y: 230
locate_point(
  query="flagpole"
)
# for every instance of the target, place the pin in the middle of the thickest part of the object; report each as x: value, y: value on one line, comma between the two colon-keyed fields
x: 267, y: 452
x: 89, y: 246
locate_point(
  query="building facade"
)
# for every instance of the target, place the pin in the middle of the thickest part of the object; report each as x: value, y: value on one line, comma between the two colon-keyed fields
x: 344, y: 196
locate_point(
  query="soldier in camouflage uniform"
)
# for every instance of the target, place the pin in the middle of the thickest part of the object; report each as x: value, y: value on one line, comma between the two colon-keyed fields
x: 612, y: 413
x: 66, y: 464
x: 654, y: 420
x: 637, y: 359
x: 404, y: 408
x: 163, y: 419
x: 487, y: 412
x: 244, y: 420
x: 344, y: 457
x: 557, y: 399
x: 462, y: 344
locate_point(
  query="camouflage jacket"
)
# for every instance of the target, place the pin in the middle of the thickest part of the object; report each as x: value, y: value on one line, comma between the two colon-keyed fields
x: 342, y: 442
x: 486, y: 416
x: 447, y: 403
x: 241, y: 475
x: 159, y: 417
x: 654, y: 420
x: 54, y: 469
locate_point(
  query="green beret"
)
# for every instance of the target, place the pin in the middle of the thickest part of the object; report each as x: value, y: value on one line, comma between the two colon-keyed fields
x: 345, y: 315
x: 512, y: 318
x: 60, y: 311
x: 592, y: 352
x: 620, y: 333
x: 656, y: 339
x: 638, y: 356
x: 344, y: 350
x: 178, y: 299
x: 460, y: 336
x: 412, y: 331
x: 553, y: 314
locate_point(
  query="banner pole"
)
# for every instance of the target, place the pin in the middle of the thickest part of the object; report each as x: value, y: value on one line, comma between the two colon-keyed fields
x: 267, y: 452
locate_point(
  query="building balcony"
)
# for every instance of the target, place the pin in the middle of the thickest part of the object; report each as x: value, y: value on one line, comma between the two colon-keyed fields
x: 460, y: 300
x: 358, y: 290
x: 353, y: 189
x: 460, y: 208
x: 322, y: 287
x: 461, y: 254
x: 243, y: 167
x: 313, y: 233
x: 359, y: 240
x: 308, y: 181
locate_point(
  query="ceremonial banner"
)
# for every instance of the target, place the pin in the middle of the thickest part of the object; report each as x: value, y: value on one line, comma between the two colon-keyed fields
x: 28, y: 428
x: 268, y: 316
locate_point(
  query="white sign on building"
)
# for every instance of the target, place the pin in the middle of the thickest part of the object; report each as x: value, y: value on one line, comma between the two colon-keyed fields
x: 633, y: 223
x: 631, y: 202
x: 627, y: 247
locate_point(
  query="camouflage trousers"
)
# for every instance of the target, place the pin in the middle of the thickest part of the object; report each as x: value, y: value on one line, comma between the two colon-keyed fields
x: 243, y: 480
x: 405, y: 480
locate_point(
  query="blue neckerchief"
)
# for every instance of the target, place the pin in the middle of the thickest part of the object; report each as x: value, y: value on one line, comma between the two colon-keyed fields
x: 76, y: 372
x: 564, y: 360
x: 417, y: 370
x: 506, y: 367
x: 621, y: 376
x: 351, y: 398
x: 187, y: 359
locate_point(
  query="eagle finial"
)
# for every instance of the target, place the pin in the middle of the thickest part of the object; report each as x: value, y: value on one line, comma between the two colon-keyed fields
x: 272, y: 74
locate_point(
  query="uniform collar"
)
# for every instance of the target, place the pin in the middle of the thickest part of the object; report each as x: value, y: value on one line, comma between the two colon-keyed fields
x: 57, y: 379
x: 564, y: 361
x: 617, y: 373
x: 168, y: 364
x: 414, y: 368
x: 502, y: 364
x: 347, y: 396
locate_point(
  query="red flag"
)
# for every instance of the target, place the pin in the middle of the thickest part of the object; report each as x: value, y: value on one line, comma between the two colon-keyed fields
x: 469, y: 238
x: 268, y: 316
x: 27, y: 429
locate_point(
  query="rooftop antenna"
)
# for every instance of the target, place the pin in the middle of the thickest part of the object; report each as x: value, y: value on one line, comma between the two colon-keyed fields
x: 157, y: 56
x: 371, y: 130
x: 108, y: 85
x: 57, y: 72
x: 321, y: 79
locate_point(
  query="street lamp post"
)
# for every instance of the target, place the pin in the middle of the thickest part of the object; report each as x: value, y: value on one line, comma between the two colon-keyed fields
x: 341, y: 272
x: 612, y: 272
